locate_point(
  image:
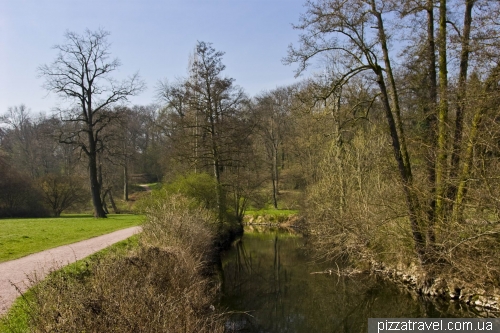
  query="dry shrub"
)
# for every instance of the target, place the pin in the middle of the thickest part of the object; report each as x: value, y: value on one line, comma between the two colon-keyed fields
x: 179, y: 222
x: 162, y: 286
x: 355, y: 209
x: 469, y: 252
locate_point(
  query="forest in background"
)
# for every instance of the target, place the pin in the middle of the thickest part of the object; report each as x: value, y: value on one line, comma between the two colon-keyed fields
x: 391, y: 147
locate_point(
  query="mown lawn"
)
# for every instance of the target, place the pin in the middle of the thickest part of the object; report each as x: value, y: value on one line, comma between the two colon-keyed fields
x: 20, y: 237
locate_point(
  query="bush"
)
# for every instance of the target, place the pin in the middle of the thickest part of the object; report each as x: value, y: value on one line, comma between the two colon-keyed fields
x: 198, y: 186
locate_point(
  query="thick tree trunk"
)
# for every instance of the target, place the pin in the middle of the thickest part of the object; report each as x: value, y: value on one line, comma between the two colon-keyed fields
x: 406, y: 177
x: 393, y: 90
x: 396, y: 129
x: 218, y: 190
x: 461, y: 97
x: 441, y: 161
x: 458, y: 207
x: 431, y: 122
x: 95, y: 187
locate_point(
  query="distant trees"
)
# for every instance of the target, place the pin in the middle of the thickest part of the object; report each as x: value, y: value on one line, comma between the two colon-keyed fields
x: 19, y: 197
x: 81, y: 74
x: 31, y: 155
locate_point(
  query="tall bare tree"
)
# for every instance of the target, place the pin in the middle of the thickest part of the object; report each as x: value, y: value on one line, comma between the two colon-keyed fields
x: 206, y: 110
x: 81, y: 74
x: 273, y: 109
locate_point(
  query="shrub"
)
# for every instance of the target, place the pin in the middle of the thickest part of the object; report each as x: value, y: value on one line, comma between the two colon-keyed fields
x: 198, y: 186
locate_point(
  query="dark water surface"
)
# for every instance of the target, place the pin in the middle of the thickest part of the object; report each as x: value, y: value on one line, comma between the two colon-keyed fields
x: 269, y: 286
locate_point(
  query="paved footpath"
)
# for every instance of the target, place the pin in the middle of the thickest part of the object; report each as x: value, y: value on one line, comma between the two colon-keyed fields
x: 15, y: 273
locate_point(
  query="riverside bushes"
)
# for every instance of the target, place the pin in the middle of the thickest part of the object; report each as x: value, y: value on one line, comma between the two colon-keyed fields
x: 162, y: 285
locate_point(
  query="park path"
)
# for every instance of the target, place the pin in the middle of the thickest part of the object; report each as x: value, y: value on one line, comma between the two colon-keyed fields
x: 16, y: 273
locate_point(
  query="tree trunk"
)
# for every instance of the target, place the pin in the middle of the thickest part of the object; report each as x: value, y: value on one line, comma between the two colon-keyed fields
x: 94, y: 175
x: 458, y: 207
x: 95, y: 187
x: 396, y: 129
x: 125, y: 181
x: 215, y: 157
x: 430, y: 122
x: 393, y: 90
x: 461, y: 97
x: 441, y: 161
x: 406, y: 178
x: 113, y: 205
x: 275, y: 196
x: 274, y: 174
x: 339, y: 153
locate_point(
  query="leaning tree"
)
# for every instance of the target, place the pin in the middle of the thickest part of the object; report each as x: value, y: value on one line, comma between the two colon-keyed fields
x: 81, y: 75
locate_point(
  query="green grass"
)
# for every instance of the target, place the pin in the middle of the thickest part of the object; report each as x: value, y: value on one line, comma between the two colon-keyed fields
x: 17, y: 318
x: 272, y: 216
x: 154, y: 186
x: 20, y: 237
x: 272, y: 212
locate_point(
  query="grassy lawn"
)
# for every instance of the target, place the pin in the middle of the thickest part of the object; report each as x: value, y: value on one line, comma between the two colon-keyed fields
x: 20, y: 237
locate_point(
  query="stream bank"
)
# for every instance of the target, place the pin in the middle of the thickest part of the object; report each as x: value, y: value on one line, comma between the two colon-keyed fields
x: 486, y: 303
x: 271, y: 284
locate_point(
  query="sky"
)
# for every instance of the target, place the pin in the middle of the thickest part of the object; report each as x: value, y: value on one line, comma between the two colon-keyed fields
x: 151, y: 37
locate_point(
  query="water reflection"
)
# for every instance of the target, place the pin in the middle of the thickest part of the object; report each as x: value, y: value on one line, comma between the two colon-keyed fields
x: 269, y: 285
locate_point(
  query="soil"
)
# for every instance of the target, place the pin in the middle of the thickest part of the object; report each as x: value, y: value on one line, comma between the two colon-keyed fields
x: 15, y: 275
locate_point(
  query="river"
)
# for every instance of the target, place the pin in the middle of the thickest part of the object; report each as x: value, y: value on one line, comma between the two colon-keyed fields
x: 268, y: 287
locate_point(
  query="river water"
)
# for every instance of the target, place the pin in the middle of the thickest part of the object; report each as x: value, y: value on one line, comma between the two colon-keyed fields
x: 268, y: 286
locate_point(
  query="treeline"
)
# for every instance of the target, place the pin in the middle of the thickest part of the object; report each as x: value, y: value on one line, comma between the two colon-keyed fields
x: 42, y: 175
x: 202, y: 124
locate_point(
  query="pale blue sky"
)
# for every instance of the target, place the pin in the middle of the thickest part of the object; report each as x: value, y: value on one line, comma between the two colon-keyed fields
x: 153, y: 37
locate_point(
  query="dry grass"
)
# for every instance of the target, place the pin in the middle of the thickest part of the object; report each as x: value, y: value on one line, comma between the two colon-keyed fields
x: 161, y: 286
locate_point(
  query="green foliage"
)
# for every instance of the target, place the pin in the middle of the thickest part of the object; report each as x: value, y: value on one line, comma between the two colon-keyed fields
x: 21, y: 237
x: 198, y: 186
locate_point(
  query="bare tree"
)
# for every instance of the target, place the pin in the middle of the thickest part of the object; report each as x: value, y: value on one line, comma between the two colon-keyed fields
x: 273, y: 109
x: 61, y: 192
x: 206, y: 115
x: 81, y: 74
